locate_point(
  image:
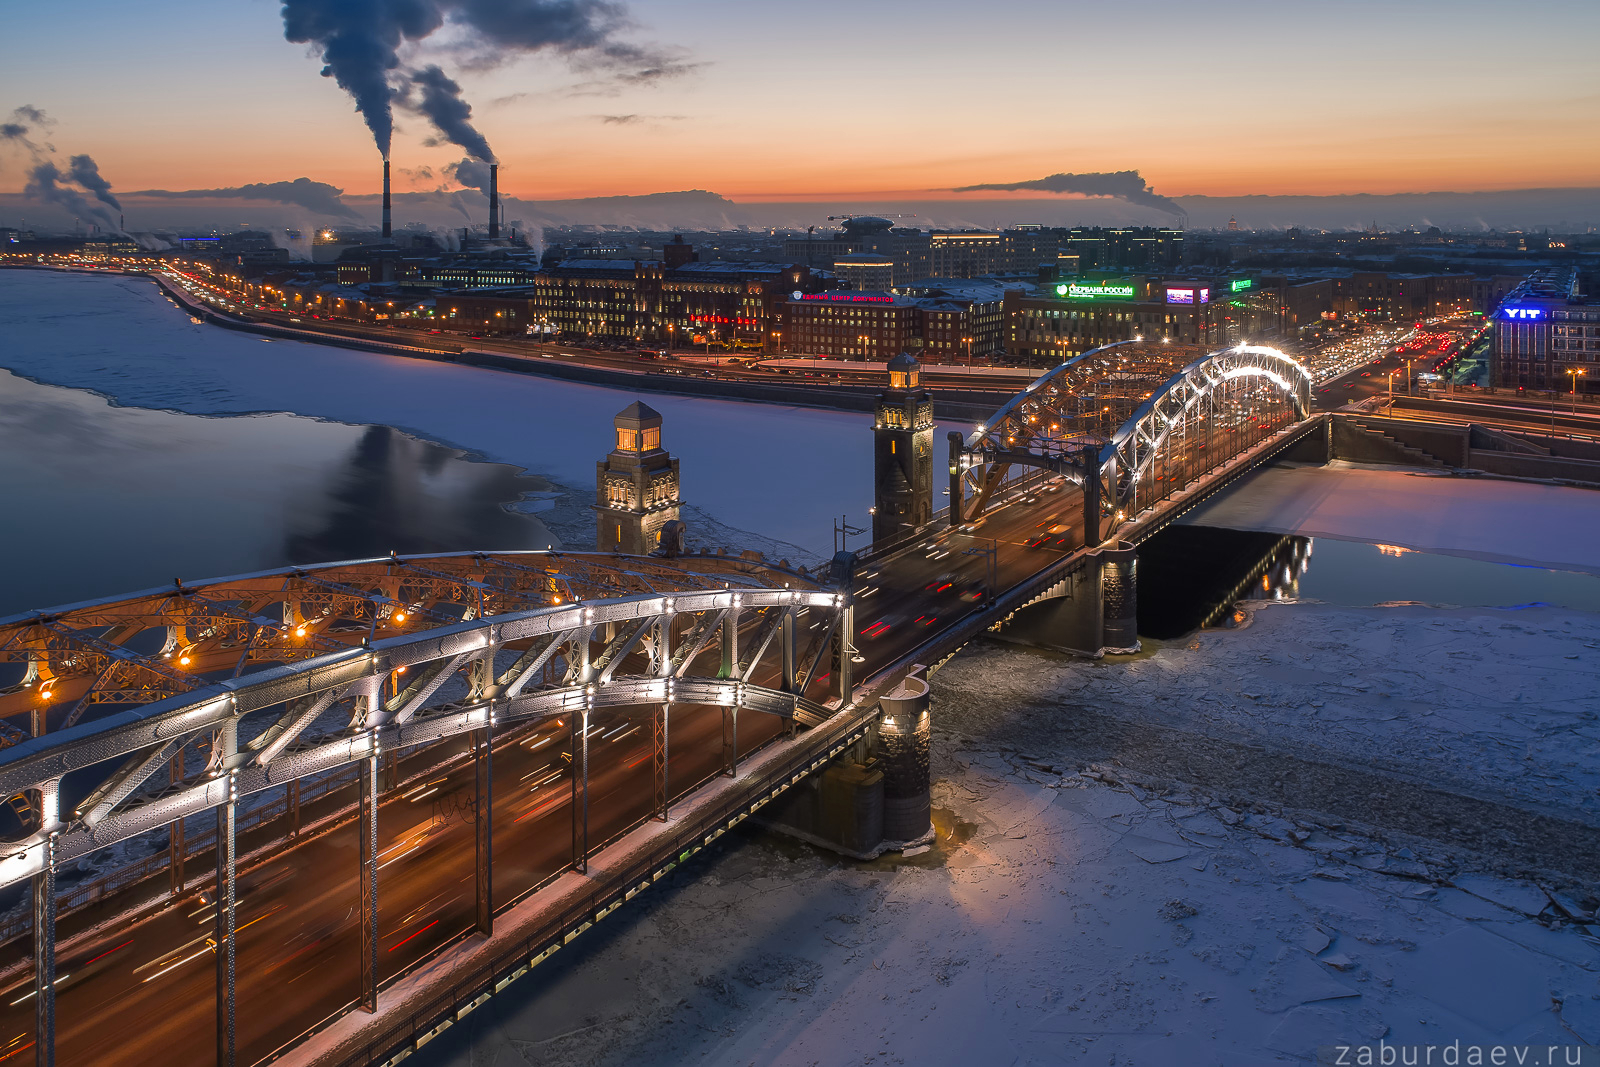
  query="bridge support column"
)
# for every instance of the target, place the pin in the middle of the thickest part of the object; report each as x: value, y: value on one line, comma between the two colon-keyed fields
x: 1090, y: 612
x: 226, y: 907
x: 786, y: 650
x: 44, y: 958
x: 367, y: 829
x: 1091, y: 505
x: 1119, y: 598
x: 905, y: 736
x: 580, y: 792
x: 175, y: 842
x: 957, y: 504
x: 730, y: 741
x: 659, y: 724
x: 483, y: 811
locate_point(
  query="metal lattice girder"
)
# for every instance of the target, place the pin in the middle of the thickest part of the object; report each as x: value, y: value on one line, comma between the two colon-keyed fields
x: 286, y: 699
x: 271, y: 617
x: 1151, y: 425
x: 1109, y: 413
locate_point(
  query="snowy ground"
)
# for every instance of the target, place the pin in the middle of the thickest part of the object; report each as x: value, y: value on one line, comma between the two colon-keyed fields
x: 774, y: 471
x: 1484, y: 518
x: 1137, y: 864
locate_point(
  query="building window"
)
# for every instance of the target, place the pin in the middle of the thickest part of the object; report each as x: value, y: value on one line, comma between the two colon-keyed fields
x: 627, y: 440
x: 652, y: 438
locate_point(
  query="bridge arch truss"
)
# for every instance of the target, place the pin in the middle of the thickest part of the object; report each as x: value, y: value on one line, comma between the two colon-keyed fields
x: 1130, y: 423
x: 344, y: 678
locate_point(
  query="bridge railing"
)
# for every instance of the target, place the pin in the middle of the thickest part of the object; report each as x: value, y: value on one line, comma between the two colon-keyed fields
x: 419, y: 1024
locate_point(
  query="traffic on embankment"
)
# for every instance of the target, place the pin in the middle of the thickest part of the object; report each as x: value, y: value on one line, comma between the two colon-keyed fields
x: 962, y: 394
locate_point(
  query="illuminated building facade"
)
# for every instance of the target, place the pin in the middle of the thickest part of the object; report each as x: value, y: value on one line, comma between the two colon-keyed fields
x: 852, y: 324
x: 865, y: 270
x: 636, y: 486
x: 1547, y: 336
x: 1072, y: 316
x: 1128, y: 248
x: 727, y: 305
x: 902, y: 430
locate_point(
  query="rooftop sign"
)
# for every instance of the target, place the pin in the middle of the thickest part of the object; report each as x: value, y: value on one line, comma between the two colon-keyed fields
x: 848, y: 298
x: 1524, y: 313
x: 1103, y: 291
x: 1241, y: 283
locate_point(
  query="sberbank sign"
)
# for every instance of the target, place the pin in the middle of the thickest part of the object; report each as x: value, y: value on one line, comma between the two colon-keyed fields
x: 1242, y: 283
x: 1077, y: 291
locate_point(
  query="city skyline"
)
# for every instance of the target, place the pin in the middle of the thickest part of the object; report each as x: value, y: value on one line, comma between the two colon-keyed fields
x: 898, y: 102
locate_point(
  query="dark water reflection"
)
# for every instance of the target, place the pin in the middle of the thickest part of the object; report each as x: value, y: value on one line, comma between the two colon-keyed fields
x: 97, y: 500
x: 1191, y: 576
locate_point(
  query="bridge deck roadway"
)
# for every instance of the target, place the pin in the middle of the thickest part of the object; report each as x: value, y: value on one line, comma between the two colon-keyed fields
x: 144, y: 994
x: 416, y: 1007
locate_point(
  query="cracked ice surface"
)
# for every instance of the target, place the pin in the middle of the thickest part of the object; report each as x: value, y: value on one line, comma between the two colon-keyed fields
x: 1077, y: 911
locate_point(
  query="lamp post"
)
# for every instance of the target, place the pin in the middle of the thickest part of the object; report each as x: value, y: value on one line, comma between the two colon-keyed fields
x: 968, y: 340
x: 1575, y: 373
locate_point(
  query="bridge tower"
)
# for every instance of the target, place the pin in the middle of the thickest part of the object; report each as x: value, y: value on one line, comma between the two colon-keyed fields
x: 636, y: 486
x: 902, y: 430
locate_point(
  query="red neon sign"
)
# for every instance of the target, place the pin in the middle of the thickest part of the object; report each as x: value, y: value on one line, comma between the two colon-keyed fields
x: 724, y: 318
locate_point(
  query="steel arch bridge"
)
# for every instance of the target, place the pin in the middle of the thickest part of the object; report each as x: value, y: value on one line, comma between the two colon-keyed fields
x: 273, y: 677
x: 1130, y: 423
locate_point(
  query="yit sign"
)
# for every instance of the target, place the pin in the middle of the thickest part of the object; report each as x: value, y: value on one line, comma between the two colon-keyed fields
x: 1075, y: 291
x: 1524, y: 313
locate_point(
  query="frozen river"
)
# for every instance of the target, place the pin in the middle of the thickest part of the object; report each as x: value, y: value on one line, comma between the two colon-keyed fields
x: 754, y: 475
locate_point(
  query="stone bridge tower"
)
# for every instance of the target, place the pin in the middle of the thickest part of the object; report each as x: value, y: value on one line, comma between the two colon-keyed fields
x: 636, y: 486
x: 902, y: 430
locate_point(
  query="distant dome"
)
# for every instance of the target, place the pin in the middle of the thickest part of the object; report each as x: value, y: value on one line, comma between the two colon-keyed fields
x: 862, y: 225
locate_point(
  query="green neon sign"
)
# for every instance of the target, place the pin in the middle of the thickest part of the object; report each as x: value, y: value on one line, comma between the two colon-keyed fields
x: 1242, y: 283
x: 1076, y: 291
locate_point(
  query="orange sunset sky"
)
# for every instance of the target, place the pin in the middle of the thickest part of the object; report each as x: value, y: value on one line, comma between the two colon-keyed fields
x: 774, y: 101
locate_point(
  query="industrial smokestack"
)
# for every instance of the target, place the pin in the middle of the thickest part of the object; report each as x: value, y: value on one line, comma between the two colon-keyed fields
x: 386, y: 218
x: 494, y: 201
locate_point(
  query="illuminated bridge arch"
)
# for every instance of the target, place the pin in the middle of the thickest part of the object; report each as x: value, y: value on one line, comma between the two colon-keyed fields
x: 357, y: 659
x: 1130, y: 423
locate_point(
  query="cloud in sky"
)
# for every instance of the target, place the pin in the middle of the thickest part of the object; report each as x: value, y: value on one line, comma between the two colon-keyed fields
x: 1126, y: 184
x: 637, y: 120
x: 318, y: 197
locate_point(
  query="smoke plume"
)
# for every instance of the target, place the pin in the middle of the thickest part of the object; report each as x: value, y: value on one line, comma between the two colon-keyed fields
x: 22, y: 126
x: 359, y: 42
x: 47, y: 183
x: 318, y: 197
x: 439, y: 98
x: 471, y: 174
x: 86, y: 173
x: 1125, y: 184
